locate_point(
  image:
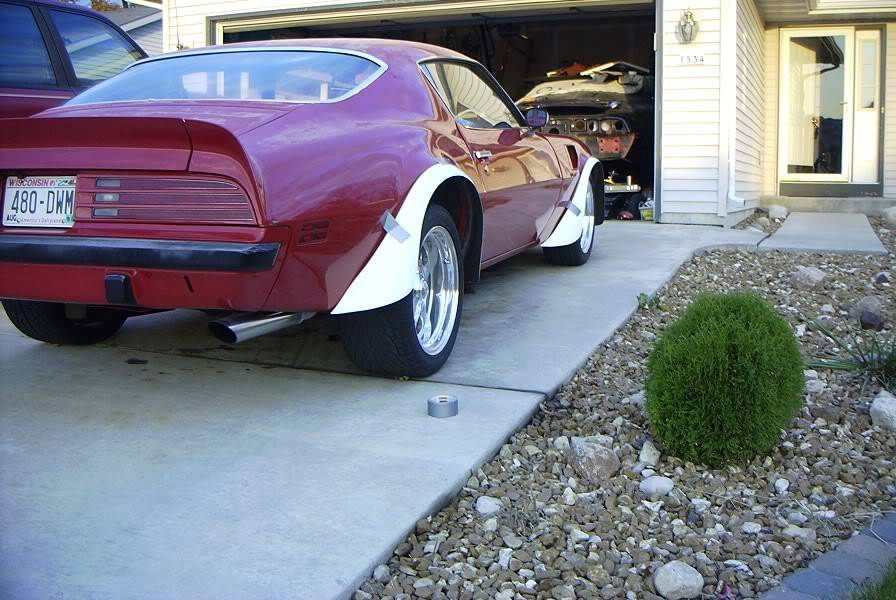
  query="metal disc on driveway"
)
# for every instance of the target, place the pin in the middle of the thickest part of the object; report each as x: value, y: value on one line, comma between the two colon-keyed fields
x: 442, y: 405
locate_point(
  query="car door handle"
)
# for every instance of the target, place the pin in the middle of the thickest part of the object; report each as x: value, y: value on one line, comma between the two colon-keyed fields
x: 483, y: 154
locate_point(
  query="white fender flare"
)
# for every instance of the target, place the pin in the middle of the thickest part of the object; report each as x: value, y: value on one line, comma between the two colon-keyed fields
x: 569, y: 229
x: 391, y: 272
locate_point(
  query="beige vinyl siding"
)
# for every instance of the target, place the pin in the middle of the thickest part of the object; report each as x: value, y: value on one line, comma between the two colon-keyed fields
x: 691, y: 129
x: 890, y: 115
x: 770, y: 138
x: 750, y: 104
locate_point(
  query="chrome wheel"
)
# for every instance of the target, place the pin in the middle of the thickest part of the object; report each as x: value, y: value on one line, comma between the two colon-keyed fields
x: 437, y: 291
x: 588, y: 220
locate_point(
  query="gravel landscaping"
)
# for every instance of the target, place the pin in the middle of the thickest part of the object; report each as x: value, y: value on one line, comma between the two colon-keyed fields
x: 584, y: 503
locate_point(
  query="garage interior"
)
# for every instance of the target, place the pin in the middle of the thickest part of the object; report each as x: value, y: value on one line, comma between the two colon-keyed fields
x: 520, y: 49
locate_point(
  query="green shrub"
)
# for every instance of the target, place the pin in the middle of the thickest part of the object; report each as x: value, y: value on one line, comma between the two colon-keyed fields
x: 724, y: 380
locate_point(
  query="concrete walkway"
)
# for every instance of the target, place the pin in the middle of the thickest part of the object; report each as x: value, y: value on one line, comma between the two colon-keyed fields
x: 825, y: 232
x: 164, y: 464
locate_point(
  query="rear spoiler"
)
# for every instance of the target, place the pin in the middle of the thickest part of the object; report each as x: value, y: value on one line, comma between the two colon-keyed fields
x: 123, y: 144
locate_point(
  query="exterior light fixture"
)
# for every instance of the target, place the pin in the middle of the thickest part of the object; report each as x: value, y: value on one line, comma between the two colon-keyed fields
x: 687, y: 27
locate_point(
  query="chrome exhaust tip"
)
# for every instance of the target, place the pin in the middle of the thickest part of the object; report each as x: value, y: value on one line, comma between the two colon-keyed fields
x: 245, y: 326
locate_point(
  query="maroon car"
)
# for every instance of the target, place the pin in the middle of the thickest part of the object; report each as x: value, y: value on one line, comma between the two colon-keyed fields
x: 368, y: 179
x: 50, y: 51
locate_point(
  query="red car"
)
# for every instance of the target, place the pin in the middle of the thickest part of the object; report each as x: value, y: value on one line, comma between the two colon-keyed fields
x: 50, y: 50
x: 369, y: 179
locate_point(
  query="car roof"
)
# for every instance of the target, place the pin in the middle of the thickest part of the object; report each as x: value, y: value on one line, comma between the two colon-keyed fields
x: 382, y: 49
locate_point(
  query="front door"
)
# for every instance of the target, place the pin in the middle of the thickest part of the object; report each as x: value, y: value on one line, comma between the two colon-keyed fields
x: 830, y: 106
x: 518, y: 169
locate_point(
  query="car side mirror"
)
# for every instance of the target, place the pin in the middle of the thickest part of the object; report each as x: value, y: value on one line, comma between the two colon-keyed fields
x: 536, y: 118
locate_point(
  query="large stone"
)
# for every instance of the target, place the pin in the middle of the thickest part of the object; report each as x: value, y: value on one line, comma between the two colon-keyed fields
x: 781, y: 486
x: 883, y: 411
x: 656, y: 486
x: 381, y: 573
x: 649, y: 454
x: 776, y: 211
x: 487, y: 505
x: 803, y: 534
x: 592, y: 460
x: 678, y: 581
x: 807, y: 277
x: 868, y: 312
x: 890, y: 215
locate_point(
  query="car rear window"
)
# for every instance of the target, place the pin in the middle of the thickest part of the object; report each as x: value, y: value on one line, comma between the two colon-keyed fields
x: 276, y: 75
x: 24, y: 60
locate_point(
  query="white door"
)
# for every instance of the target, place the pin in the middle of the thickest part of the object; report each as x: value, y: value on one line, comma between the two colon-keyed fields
x: 830, y: 105
x: 867, y: 108
x: 816, y: 121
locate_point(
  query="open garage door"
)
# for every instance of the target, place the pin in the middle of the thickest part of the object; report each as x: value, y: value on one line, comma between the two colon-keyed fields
x: 612, y: 110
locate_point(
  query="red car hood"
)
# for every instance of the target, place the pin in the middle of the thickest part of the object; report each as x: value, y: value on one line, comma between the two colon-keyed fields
x: 236, y: 117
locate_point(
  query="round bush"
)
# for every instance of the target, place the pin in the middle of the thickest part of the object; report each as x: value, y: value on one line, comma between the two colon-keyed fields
x: 724, y: 380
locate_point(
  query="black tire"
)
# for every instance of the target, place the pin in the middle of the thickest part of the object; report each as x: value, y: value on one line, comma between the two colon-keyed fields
x: 384, y: 341
x: 47, y: 322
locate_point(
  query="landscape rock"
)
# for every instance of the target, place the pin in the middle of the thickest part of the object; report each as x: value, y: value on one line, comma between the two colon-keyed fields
x: 807, y: 277
x: 781, y: 486
x: 883, y: 411
x: 561, y: 443
x: 656, y: 486
x: 677, y: 580
x: 868, y: 312
x: 592, y: 460
x: 803, y: 534
x: 890, y: 215
x: 776, y: 211
x: 487, y: 505
x: 382, y: 574
x: 649, y: 454
x: 814, y: 386
x: 882, y: 278
x: 751, y: 528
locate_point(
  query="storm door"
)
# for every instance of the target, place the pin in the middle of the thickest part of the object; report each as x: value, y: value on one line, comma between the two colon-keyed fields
x: 830, y: 106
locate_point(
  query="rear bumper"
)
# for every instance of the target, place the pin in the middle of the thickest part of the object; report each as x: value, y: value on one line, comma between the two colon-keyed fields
x: 138, y: 253
x: 160, y: 274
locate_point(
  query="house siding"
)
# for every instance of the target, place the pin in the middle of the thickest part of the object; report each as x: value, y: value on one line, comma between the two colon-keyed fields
x: 750, y: 103
x: 691, y: 124
x: 890, y: 115
x: 149, y: 37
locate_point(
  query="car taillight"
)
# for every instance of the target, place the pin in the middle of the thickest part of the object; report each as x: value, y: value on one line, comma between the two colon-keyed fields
x: 190, y: 199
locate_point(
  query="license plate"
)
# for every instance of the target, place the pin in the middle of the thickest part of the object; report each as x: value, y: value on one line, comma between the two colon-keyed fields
x: 39, y: 201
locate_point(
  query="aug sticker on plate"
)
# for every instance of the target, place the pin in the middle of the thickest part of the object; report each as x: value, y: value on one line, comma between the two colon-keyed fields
x: 39, y: 201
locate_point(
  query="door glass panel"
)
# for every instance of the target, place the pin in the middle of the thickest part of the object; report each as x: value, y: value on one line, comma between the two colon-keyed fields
x: 817, y: 104
x: 470, y: 98
x: 96, y: 50
x: 868, y: 70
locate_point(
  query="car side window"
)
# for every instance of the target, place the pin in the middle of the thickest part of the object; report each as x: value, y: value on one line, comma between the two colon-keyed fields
x: 472, y: 99
x: 24, y: 60
x: 97, y: 51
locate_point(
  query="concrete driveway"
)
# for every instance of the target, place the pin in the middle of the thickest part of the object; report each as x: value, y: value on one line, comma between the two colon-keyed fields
x: 165, y: 465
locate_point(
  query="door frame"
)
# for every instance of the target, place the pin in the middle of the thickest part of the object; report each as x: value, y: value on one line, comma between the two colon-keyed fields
x: 791, y: 186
